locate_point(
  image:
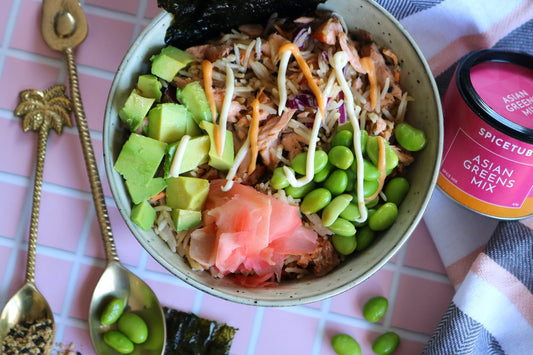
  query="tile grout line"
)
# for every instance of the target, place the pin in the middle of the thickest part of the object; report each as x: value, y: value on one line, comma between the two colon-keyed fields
x: 321, y: 327
x: 395, y: 284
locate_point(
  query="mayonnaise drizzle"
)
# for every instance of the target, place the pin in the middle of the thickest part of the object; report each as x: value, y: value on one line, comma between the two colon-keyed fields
x: 178, y: 156
x: 223, y: 118
x: 239, y: 158
x: 310, y: 162
x: 282, y: 90
x: 340, y: 59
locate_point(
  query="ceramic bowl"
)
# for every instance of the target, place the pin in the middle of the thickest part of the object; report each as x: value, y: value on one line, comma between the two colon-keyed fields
x: 424, y: 112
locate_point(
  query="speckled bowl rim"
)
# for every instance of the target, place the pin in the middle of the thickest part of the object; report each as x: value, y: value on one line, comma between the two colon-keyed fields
x: 425, y: 112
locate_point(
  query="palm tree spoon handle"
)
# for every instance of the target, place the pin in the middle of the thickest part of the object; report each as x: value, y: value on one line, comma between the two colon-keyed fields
x: 41, y: 111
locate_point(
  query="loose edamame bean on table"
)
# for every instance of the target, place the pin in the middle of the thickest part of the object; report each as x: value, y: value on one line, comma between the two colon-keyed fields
x: 118, y: 341
x: 134, y: 327
x: 344, y: 344
x: 375, y: 308
x: 386, y: 343
x: 112, y: 311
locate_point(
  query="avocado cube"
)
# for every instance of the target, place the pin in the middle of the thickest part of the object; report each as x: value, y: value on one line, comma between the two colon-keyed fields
x: 167, y: 122
x: 196, y: 153
x: 150, y: 86
x: 143, y: 215
x: 140, y: 193
x: 192, y: 129
x: 193, y: 97
x: 187, y: 193
x: 222, y: 162
x: 135, y: 109
x: 139, y: 159
x: 185, y: 219
x: 169, y: 62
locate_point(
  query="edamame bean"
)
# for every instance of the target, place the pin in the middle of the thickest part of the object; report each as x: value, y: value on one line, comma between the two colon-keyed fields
x: 375, y: 308
x: 371, y: 172
x: 372, y: 203
x: 364, y: 140
x: 118, y: 341
x: 299, y: 162
x: 323, y: 174
x: 342, y: 227
x: 365, y: 237
x: 341, y: 157
x: 386, y: 343
x: 344, y: 245
x: 315, y: 200
x: 343, y: 137
x: 332, y: 211
x: 352, y: 178
x: 279, y: 180
x: 396, y: 189
x: 351, y: 212
x: 370, y: 187
x: 344, y: 344
x: 112, y: 311
x: 134, y: 327
x: 384, y: 217
x: 301, y: 191
x: 370, y: 212
x: 337, y: 182
x: 372, y: 151
x: 409, y: 137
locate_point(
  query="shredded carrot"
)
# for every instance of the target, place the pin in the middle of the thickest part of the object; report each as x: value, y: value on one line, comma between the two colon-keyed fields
x: 368, y: 66
x: 381, y: 167
x: 207, y: 68
x: 253, y: 134
x: 391, y: 55
x: 158, y: 196
x: 307, y: 73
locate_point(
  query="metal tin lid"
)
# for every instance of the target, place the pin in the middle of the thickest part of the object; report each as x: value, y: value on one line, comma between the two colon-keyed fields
x: 498, y: 87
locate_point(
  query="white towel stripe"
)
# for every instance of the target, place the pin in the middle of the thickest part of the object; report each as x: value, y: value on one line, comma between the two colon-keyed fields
x: 485, y: 304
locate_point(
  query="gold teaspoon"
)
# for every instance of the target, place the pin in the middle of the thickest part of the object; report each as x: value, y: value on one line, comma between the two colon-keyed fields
x: 28, y: 310
x: 64, y: 27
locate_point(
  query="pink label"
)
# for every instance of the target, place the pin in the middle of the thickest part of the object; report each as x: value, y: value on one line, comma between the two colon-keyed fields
x: 507, y: 89
x: 480, y: 172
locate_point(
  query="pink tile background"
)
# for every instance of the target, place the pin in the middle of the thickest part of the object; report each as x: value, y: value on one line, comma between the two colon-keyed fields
x: 70, y: 254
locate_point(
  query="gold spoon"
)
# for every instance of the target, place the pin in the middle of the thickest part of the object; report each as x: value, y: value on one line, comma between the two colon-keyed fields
x: 27, y: 309
x: 64, y: 27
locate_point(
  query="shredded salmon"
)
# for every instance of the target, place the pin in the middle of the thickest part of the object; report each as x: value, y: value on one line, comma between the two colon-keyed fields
x: 368, y: 66
x: 253, y: 134
x: 381, y: 167
x: 307, y: 73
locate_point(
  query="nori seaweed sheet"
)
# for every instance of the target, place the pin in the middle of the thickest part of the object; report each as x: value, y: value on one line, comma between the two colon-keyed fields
x: 196, y: 21
x: 188, y: 334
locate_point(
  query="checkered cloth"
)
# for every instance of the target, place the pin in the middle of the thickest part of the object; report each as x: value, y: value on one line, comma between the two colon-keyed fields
x: 489, y: 262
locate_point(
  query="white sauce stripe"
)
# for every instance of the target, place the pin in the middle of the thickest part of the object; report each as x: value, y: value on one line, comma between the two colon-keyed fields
x: 178, y: 156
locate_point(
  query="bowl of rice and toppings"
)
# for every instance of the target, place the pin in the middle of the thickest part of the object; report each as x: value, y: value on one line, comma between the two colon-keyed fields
x: 278, y: 163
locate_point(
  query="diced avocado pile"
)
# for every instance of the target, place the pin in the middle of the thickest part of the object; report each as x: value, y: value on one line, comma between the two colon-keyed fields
x: 146, y: 157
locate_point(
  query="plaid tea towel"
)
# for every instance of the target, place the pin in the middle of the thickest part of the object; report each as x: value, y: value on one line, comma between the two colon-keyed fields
x: 489, y: 262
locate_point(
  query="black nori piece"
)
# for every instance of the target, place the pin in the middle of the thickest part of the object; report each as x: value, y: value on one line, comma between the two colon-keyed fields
x: 188, y: 334
x: 196, y: 21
